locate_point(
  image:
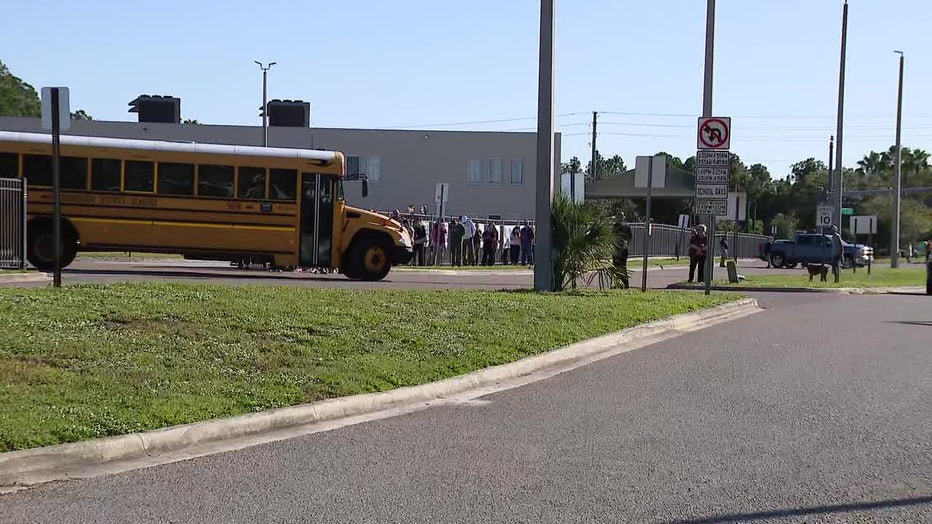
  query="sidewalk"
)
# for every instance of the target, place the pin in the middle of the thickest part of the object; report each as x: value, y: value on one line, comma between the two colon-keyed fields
x: 24, y: 277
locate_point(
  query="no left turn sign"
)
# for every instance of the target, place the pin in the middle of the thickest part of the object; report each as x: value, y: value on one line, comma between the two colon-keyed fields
x: 714, y: 133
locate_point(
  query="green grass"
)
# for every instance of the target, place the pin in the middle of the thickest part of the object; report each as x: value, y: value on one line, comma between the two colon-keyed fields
x: 881, y: 276
x: 12, y: 271
x: 125, y: 255
x: 92, y: 361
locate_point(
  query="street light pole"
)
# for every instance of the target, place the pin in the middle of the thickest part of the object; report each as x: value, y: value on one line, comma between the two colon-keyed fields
x: 265, y: 95
x: 895, y: 241
x: 839, y: 132
x: 543, y: 257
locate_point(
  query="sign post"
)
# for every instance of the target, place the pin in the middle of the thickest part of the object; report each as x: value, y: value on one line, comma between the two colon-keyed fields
x: 56, y: 115
x: 713, y: 162
x: 441, y: 195
x: 650, y: 168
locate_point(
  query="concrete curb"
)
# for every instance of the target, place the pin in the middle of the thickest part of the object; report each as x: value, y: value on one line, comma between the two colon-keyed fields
x: 31, y: 276
x: 32, y: 466
x: 837, y: 290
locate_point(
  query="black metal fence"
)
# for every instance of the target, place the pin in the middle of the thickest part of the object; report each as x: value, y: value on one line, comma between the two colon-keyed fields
x: 673, y: 241
x: 12, y: 223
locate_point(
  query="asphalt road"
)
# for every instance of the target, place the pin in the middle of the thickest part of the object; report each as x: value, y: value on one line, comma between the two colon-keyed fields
x: 814, y: 410
x: 103, y: 271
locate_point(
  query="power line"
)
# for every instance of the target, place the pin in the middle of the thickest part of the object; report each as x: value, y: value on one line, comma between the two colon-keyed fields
x: 495, y: 121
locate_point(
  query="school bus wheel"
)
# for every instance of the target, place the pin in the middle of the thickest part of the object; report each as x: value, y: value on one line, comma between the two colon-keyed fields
x: 370, y: 258
x: 40, y: 244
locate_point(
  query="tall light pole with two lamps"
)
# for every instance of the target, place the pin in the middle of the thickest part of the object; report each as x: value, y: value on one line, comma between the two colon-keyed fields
x: 265, y: 101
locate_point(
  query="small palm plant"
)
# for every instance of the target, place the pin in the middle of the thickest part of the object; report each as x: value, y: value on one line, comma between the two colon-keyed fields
x: 584, y: 242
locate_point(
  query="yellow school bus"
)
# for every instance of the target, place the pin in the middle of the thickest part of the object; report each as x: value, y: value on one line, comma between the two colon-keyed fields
x: 276, y: 205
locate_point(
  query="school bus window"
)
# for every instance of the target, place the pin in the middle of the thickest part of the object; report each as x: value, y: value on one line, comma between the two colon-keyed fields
x: 38, y: 169
x: 139, y: 176
x: 105, y: 174
x: 252, y: 182
x: 216, y: 181
x: 176, y: 179
x: 9, y: 165
x: 283, y: 184
x: 73, y: 172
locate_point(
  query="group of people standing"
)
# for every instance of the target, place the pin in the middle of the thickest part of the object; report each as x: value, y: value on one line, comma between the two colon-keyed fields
x: 467, y: 242
x: 473, y: 245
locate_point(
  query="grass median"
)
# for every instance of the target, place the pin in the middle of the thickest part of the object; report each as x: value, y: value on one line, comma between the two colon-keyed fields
x: 880, y: 276
x: 92, y: 361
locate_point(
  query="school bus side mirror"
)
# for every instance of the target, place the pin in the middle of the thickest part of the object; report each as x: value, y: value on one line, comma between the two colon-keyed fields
x: 365, y: 188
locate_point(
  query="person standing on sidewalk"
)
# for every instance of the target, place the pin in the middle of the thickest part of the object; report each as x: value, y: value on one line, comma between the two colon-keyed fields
x: 457, y: 232
x: 489, y: 244
x: 527, y: 236
x: 420, y: 243
x: 698, y: 243
x: 469, y: 252
x: 837, y: 252
x: 515, y: 245
x: 723, y: 245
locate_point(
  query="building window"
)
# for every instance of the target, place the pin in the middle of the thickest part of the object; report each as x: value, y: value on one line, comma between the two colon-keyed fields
x: 374, y: 168
x: 176, y: 179
x: 283, y: 184
x: 474, y: 171
x: 496, y: 170
x: 252, y: 182
x: 216, y: 181
x: 139, y: 176
x: 517, y: 171
x: 105, y: 174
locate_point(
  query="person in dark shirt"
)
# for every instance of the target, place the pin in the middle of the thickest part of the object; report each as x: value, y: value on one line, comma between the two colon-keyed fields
x: 527, y: 238
x: 457, y: 232
x: 698, y: 243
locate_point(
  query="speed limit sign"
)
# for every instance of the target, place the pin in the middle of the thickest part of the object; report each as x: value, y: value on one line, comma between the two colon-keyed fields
x: 824, y: 216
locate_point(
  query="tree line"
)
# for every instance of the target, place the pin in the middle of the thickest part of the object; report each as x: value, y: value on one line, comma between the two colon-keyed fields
x: 789, y: 203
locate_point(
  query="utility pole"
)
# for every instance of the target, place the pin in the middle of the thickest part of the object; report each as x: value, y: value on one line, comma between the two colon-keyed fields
x: 898, y: 186
x: 707, y: 111
x: 831, y: 173
x: 265, y: 101
x: 839, y: 132
x: 543, y: 257
x: 595, y: 152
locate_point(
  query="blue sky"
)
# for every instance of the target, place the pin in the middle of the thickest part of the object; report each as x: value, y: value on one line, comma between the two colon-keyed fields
x: 442, y: 63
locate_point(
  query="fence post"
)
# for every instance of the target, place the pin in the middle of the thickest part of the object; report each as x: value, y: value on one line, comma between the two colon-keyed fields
x: 22, y: 229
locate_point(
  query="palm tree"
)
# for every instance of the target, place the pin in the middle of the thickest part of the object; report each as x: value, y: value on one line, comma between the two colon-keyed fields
x: 915, y: 161
x: 584, y: 242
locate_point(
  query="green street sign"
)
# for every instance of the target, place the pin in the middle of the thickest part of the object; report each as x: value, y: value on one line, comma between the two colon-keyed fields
x: 847, y: 211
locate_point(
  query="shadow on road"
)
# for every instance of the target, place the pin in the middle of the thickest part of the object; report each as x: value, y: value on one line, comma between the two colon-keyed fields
x: 815, y: 510
x: 911, y: 322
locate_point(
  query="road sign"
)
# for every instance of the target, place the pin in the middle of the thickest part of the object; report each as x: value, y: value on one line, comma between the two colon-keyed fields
x: 863, y: 225
x: 706, y: 158
x: 658, y: 175
x: 711, y: 207
x: 847, y: 211
x: 711, y: 175
x: 64, y: 110
x: 824, y: 216
x: 711, y: 191
x: 442, y: 193
x: 714, y: 133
